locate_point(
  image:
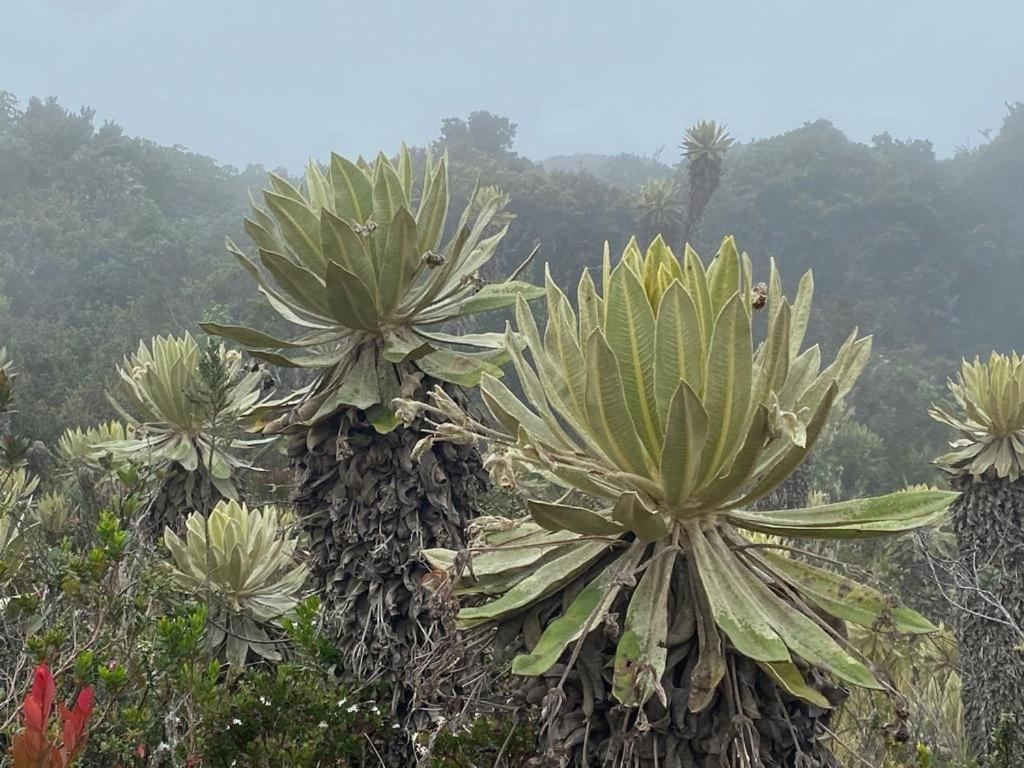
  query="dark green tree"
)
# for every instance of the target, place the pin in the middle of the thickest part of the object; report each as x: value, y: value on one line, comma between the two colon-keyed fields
x: 482, y: 131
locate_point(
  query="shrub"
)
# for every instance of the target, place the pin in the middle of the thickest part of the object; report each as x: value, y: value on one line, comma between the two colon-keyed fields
x: 34, y: 746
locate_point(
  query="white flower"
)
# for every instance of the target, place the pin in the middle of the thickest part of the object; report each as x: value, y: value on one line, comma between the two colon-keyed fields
x: 342, y: 702
x: 352, y: 708
x: 321, y: 724
x: 163, y: 746
x: 236, y: 721
x: 395, y: 726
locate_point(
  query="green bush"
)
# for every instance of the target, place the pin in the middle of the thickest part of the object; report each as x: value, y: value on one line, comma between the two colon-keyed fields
x: 290, y: 716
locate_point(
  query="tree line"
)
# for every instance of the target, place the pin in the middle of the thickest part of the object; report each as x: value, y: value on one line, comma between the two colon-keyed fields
x: 105, y: 239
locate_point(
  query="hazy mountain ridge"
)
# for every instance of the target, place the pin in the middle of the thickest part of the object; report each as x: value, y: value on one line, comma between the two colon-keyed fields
x: 106, y: 239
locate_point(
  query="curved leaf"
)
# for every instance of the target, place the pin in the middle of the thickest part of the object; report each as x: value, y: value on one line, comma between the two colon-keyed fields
x: 463, y: 369
x: 696, y: 282
x: 735, y: 606
x: 344, y: 247
x: 388, y: 197
x: 727, y: 389
x: 685, y: 436
x: 359, y: 387
x: 303, y: 286
x: 729, y: 485
x: 351, y: 302
x: 433, y: 209
x: 679, y: 348
x: 584, y: 614
x: 642, y: 650
x: 562, y: 346
x: 772, y: 364
x: 300, y: 227
x: 792, y: 681
x: 805, y: 638
x: 499, y: 295
x: 353, y: 192
x: 611, y: 425
x: 590, y: 306
x: 401, y: 260
x: 709, y: 671
x: 782, y: 457
x: 250, y: 337
x: 629, y: 330
x: 538, y: 584
x: 893, y: 513
x: 630, y: 511
x: 847, y: 599
x: 724, y: 275
x: 565, y: 517
x: 801, y: 313
x: 402, y: 343
x: 510, y: 411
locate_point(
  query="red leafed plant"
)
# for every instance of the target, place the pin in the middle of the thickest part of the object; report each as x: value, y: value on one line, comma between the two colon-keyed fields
x: 32, y: 747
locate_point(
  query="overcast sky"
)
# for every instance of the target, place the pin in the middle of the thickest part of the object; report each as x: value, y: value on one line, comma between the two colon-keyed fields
x: 274, y: 82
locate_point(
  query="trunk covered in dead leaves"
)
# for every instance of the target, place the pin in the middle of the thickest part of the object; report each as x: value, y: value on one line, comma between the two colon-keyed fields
x: 369, y: 509
x: 180, y: 493
x: 988, y: 519
x: 747, y: 722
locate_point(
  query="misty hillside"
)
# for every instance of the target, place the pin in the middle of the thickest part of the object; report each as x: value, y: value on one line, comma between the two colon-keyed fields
x: 625, y: 170
x: 106, y: 239
x: 472, y: 385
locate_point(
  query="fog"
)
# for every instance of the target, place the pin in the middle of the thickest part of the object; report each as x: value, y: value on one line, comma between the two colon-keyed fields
x: 644, y: 360
x: 271, y: 83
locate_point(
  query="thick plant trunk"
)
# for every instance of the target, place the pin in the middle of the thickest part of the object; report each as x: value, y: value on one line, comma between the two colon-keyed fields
x: 180, y: 493
x: 988, y: 519
x: 369, y: 508
x: 750, y: 721
x: 703, y: 179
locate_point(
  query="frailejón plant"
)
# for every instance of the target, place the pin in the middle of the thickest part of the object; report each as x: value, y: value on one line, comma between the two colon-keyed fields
x: 653, y: 400
x: 243, y: 565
